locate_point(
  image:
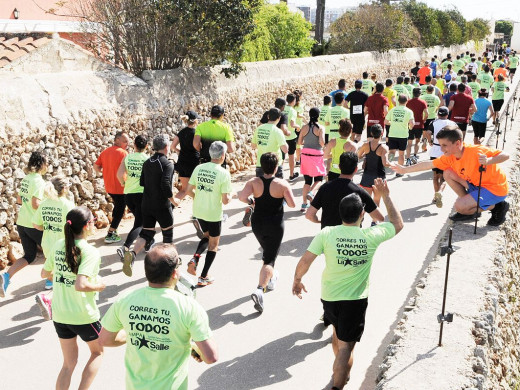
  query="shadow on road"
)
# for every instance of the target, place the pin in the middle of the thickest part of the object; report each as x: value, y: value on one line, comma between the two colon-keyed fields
x: 266, y: 366
x: 19, y: 335
x: 413, y: 213
x: 217, y: 318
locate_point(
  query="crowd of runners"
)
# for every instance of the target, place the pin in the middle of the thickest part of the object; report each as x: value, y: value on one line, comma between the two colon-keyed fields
x: 378, y: 126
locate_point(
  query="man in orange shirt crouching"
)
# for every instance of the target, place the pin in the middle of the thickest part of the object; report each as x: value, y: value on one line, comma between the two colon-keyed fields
x: 460, y: 164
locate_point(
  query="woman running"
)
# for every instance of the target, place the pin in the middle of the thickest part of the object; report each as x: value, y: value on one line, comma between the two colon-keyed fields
x: 129, y: 175
x: 74, y: 266
x: 300, y: 109
x: 189, y: 157
x: 29, y: 197
x: 336, y: 147
x: 267, y: 221
x: 312, y: 137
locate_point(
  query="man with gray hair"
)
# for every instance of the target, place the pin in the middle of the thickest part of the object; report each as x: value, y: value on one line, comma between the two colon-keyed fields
x: 156, y: 180
x: 210, y: 188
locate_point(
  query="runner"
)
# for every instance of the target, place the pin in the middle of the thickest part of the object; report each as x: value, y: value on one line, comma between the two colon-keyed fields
x: 181, y: 319
x: 480, y: 118
x: 188, y: 157
x: 400, y: 88
x: 342, y: 87
x: 74, y: 266
x: 107, y: 164
x: 344, y: 291
x: 282, y: 122
x: 460, y: 163
x: 439, y: 83
x: 129, y: 175
x: 458, y: 64
x: 433, y: 67
x: 336, y: 114
x: 30, y: 195
x: 376, y: 107
x: 390, y: 94
x: 50, y: 219
x: 472, y: 67
x: 485, y: 79
x: 324, y: 110
x: 376, y: 160
x: 210, y: 188
x: 312, y: 139
x: 336, y: 147
x: 420, y: 113
x: 423, y: 72
x: 300, y: 109
x: 267, y: 222
x: 500, y: 71
x: 415, y: 69
x: 292, y: 138
x: 357, y: 100
x: 368, y: 85
x: 497, y: 98
x: 497, y: 64
x: 156, y: 207
x: 461, y: 106
x: 429, y: 82
x: 408, y: 86
x: 513, y: 64
x: 433, y: 103
x: 400, y: 119
x: 475, y: 86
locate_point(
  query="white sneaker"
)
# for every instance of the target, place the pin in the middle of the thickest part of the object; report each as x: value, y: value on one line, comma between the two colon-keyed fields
x: 258, y: 298
x: 272, y: 283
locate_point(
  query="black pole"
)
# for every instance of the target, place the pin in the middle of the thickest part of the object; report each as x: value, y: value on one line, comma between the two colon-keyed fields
x: 442, y: 319
x: 481, y: 169
x: 505, y: 128
x: 497, y: 134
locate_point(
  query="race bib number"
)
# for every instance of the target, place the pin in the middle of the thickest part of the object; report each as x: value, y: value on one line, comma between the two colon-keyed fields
x: 357, y: 109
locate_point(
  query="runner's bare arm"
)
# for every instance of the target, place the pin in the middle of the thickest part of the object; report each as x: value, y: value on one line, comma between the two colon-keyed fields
x: 112, y: 339
x: 38, y: 227
x: 121, y: 173
x: 173, y: 146
x: 208, y: 349
x: 284, y: 148
x: 46, y: 274
x: 98, y: 169
x: 288, y: 195
x: 197, y: 144
x: 35, y: 202
x: 301, y: 269
x: 230, y: 146
x: 499, y: 158
x: 394, y: 215
x: 246, y: 192
x: 226, y: 198
x: 311, y: 214
x: 376, y: 215
x: 422, y: 166
x: 84, y: 285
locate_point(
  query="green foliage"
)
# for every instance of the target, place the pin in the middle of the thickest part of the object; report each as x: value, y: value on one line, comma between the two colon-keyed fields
x: 504, y: 26
x: 478, y: 29
x: 279, y: 33
x: 460, y: 21
x: 425, y: 20
x: 451, y: 33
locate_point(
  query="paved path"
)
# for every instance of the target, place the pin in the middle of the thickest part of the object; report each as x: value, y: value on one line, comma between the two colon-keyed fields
x: 286, y: 346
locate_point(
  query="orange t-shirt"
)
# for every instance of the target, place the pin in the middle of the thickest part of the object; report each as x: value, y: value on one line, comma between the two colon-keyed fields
x: 109, y: 160
x: 493, y: 178
x: 501, y: 71
x: 422, y: 73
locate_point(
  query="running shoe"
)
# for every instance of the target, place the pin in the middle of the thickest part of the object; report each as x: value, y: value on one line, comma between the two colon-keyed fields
x: 48, y: 284
x: 192, y: 266
x: 196, y: 225
x: 258, y: 298
x: 246, y: 221
x: 5, y: 279
x: 304, y: 207
x: 274, y: 279
x: 498, y: 214
x: 293, y: 177
x: 44, y: 304
x: 128, y: 262
x: 203, y: 282
x: 149, y: 245
x: 298, y: 163
x: 456, y: 217
x: 408, y: 162
x: 413, y: 160
x: 438, y: 199
x: 310, y: 196
x: 112, y: 237
x: 121, y: 252
x: 399, y: 175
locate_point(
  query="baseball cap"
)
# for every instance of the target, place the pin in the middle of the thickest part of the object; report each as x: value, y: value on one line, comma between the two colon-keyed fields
x: 192, y: 115
x: 217, y: 111
x: 443, y: 111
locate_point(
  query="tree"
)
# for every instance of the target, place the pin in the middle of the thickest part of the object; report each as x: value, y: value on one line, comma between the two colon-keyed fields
x: 165, y: 34
x: 373, y: 27
x: 425, y: 20
x: 320, y: 21
x: 478, y: 29
x: 460, y: 21
x: 503, y: 26
x: 451, y: 33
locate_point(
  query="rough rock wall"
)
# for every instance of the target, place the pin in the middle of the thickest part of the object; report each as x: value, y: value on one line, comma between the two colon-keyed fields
x: 62, y: 100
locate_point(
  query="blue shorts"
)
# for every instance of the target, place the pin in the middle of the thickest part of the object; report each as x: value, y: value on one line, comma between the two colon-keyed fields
x: 487, y: 199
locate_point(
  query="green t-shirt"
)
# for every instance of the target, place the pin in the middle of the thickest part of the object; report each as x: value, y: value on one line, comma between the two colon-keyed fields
x: 268, y: 138
x: 32, y: 185
x: 291, y: 116
x: 445, y: 64
x: 496, y: 64
x: 409, y: 88
x: 479, y: 65
x: 159, y: 323
x: 513, y: 62
x: 299, y: 111
x: 68, y: 305
x: 210, y: 181
x: 323, y: 114
x: 499, y: 88
x: 334, y: 115
x: 475, y: 87
x: 134, y: 165
x: 215, y: 130
x: 401, y: 90
x: 457, y: 65
x: 348, y: 251
x: 399, y: 118
x: 368, y: 86
x: 52, y: 215
x: 336, y: 152
x: 433, y: 103
x: 486, y: 80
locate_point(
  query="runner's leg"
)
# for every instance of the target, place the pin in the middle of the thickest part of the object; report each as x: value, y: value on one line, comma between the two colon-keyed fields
x: 92, y: 366
x: 69, y: 348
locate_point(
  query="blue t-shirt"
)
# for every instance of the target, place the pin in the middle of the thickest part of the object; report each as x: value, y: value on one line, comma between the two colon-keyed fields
x: 335, y: 92
x: 447, y: 97
x: 482, y: 109
x: 433, y: 67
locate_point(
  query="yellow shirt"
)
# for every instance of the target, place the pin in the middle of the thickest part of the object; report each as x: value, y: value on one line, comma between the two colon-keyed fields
x: 388, y: 93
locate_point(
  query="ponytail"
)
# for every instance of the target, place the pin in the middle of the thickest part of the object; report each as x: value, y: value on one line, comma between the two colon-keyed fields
x: 77, y: 219
x: 56, y: 187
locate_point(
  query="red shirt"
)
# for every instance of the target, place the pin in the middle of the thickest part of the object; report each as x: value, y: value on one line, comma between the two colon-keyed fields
x: 460, y: 111
x: 109, y: 160
x: 375, y: 105
x: 417, y: 106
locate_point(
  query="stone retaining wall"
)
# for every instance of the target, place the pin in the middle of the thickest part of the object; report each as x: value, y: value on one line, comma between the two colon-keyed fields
x: 64, y: 101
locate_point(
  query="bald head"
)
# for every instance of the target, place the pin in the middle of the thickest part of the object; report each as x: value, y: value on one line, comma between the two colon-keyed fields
x: 160, y: 263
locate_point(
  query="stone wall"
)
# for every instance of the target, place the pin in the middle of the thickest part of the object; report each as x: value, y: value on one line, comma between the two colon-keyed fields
x: 62, y: 100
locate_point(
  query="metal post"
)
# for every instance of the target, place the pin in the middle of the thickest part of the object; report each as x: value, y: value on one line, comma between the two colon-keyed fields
x: 481, y: 169
x: 449, y: 316
x: 497, y: 134
x: 505, y: 128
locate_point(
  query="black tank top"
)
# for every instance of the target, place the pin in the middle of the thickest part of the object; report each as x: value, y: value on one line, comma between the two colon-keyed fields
x: 266, y: 205
x: 374, y: 163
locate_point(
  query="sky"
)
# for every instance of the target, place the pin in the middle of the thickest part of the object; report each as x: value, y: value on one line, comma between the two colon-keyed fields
x: 471, y: 9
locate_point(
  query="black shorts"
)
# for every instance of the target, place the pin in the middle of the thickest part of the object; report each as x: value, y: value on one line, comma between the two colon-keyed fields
x: 347, y: 317
x: 497, y: 104
x: 214, y: 228
x: 512, y: 70
x: 358, y: 125
x: 291, y: 145
x: 279, y: 172
x: 436, y: 170
x: 185, y: 169
x: 387, y: 128
x: 30, y: 238
x: 163, y: 216
x: 479, y: 129
x: 397, y: 143
x: 427, y: 123
x: 308, y: 179
x: 462, y: 126
x: 87, y: 332
x: 415, y: 134
x: 326, y: 138
x: 268, y: 231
